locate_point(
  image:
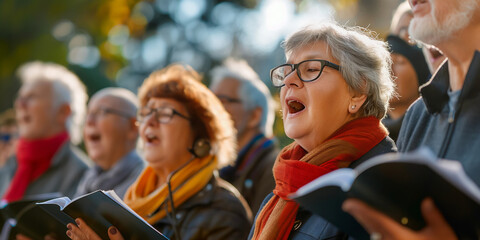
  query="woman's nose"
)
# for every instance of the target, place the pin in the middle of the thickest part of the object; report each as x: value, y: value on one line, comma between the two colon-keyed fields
x: 292, y: 80
x: 151, y: 120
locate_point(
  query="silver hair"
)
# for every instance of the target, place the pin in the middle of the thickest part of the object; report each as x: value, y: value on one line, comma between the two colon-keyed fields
x: 402, y: 9
x: 365, y: 62
x: 67, y: 89
x: 127, y: 98
x: 253, y: 92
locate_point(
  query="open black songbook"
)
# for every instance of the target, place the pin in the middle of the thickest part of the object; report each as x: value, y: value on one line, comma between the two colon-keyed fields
x: 396, y: 184
x: 9, y: 211
x: 99, y: 209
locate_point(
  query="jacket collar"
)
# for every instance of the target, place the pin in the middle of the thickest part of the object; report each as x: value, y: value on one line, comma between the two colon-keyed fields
x: 435, y: 92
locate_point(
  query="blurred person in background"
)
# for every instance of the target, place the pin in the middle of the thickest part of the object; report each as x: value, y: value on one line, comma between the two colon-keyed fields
x: 110, y: 136
x: 409, y: 68
x: 8, y: 145
x: 399, y: 27
x: 187, y: 135
x: 249, y: 102
x: 334, y: 91
x: 400, y: 21
x: 446, y: 117
x: 50, y: 109
x: 410, y: 72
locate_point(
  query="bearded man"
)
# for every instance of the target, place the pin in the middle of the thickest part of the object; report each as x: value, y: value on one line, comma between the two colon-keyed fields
x: 446, y: 118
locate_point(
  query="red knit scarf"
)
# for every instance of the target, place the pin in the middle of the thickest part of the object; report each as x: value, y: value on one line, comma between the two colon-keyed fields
x: 34, y: 158
x: 295, y: 167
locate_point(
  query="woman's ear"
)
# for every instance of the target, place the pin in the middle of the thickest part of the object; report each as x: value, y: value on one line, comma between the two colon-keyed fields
x: 356, y: 103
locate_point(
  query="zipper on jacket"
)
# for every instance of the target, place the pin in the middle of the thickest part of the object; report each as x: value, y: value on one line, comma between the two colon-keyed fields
x: 452, y: 116
x: 448, y: 136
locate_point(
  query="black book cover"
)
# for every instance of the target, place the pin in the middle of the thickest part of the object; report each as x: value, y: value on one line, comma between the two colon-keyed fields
x: 99, y: 209
x: 396, y: 184
x: 10, y: 211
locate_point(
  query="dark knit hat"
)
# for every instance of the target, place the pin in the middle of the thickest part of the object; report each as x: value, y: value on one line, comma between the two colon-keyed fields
x: 414, y: 55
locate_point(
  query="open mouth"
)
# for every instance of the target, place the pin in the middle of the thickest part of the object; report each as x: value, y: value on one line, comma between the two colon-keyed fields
x: 94, y: 137
x: 25, y: 118
x: 150, y: 138
x: 295, y: 106
x: 415, y: 2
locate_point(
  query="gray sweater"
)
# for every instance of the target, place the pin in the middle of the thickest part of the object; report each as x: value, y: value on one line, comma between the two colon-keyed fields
x: 118, y: 178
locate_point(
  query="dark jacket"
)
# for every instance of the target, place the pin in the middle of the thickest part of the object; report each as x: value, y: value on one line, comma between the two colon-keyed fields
x: 68, y: 165
x: 309, y: 226
x: 6, y: 174
x: 256, y: 180
x: 429, y: 123
x: 216, y: 212
x: 393, y: 126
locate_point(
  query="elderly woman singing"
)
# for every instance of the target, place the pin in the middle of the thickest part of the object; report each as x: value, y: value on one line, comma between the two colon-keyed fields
x: 187, y: 135
x: 334, y: 90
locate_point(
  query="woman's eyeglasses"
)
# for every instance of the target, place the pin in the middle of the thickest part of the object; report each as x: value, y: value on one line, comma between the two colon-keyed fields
x: 307, y: 71
x: 162, y: 114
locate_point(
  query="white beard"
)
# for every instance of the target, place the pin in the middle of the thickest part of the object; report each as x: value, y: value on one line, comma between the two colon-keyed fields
x: 430, y: 30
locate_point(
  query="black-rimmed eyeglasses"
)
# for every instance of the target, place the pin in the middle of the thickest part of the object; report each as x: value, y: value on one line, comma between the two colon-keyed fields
x: 307, y: 71
x: 162, y: 114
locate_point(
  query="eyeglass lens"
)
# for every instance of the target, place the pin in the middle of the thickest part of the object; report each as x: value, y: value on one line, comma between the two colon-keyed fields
x: 163, y: 115
x: 307, y: 71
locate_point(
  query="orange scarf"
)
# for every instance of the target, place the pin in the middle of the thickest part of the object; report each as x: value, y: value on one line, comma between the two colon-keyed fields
x: 146, y: 195
x: 295, y: 167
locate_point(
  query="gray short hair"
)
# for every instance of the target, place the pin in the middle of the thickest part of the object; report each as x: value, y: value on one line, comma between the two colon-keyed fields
x: 127, y: 98
x: 365, y: 62
x: 402, y: 9
x: 253, y: 92
x: 67, y: 89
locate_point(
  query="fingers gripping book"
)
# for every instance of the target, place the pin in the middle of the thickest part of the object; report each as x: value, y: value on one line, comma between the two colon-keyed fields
x: 396, y: 184
x: 99, y: 209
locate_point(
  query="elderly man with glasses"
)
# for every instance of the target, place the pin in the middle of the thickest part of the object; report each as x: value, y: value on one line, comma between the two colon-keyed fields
x: 446, y: 117
x: 248, y: 101
x: 111, y: 135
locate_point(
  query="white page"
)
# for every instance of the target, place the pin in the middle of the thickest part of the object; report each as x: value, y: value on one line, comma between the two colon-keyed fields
x: 342, y: 178
x: 61, y: 202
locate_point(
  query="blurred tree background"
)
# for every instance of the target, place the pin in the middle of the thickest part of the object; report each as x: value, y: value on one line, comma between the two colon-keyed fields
x: 119, y: 42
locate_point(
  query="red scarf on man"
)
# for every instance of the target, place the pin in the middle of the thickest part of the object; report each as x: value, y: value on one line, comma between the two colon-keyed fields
x: 295, y: 167
x: 34, y: 158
